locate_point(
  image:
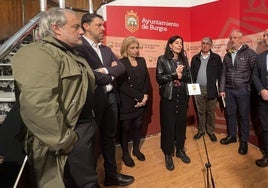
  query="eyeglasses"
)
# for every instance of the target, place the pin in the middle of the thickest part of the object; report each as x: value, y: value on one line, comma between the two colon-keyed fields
x: 206, y: 43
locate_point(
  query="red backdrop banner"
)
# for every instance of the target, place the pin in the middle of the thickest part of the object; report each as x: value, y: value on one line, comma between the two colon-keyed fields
x: 154, y: 25
x: 147, y: 22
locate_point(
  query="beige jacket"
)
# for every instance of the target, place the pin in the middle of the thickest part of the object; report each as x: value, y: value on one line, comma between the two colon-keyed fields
x: 52, y: 88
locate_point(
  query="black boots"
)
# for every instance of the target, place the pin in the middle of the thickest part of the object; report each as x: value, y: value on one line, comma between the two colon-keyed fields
x: 139, y: 155
x: 169, y: 162
x: 263, y: 162
x: 243, y: 148
x: 182, y: 155
x: 128, y: 160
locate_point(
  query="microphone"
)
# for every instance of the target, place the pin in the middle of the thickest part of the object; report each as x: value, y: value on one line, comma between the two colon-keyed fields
x: 178, y: 63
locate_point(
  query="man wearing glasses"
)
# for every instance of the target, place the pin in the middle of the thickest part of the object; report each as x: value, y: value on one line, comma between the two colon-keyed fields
x: 206, y: 69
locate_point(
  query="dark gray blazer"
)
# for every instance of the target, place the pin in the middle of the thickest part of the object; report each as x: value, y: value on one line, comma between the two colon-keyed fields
x: 260, y: 73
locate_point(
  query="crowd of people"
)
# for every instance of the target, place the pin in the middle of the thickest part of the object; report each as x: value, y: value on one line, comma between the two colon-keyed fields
x: 73, y: 91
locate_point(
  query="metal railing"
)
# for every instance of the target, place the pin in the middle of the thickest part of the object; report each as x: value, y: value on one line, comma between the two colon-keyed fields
x: 28, y: 28
x: 26, y: 35
x: 18, y: 37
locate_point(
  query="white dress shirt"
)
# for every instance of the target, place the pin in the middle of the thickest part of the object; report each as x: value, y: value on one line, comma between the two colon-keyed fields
x: 96, y: 47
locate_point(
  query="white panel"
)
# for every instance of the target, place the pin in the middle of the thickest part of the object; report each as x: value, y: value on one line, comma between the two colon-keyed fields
x: 153, y: 3
x: 161, y: 3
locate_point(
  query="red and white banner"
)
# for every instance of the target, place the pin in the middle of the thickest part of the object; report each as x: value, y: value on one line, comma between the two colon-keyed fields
x: 154, y: 21
x: 153, y: 25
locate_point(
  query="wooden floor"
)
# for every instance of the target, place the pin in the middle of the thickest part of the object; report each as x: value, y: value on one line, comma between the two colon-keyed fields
x: 229, y: 169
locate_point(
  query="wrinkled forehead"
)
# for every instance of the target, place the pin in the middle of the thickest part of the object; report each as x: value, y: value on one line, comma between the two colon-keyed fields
x: 72, y: 18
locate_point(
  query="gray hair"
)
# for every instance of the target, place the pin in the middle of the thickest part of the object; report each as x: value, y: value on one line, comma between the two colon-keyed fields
x: 207, y: 40
x: 54, y: 16
x: 238, y: 32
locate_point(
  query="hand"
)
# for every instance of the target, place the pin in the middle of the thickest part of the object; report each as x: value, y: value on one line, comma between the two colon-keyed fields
x: 139, y: 104
x: 179, y: 75
x: 179, y: 71
x: 114, y: 63
x: 145, y: 98
x: 101, y: 70
x: 179, y: 68
x: 222, y: 94
x: 2, y: 159
x: 264, y: 94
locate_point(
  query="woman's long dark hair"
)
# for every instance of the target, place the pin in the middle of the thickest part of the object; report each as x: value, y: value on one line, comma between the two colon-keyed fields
x: 169, y: 54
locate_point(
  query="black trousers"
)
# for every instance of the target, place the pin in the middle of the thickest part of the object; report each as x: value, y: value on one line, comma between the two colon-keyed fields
x: 173, y: 120
x: 80, y: 168
x: 263, y: 115
x: 107, y: 120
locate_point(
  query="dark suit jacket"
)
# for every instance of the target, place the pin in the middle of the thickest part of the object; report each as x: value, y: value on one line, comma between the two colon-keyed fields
x: 132, y: 87
x: 94, y: 61
x: 260, y: 73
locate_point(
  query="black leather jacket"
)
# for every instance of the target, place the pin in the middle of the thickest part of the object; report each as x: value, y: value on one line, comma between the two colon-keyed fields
x: 166, y: 74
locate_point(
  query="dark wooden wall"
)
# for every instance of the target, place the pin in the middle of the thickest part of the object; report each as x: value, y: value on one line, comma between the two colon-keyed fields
x: 15, y: 13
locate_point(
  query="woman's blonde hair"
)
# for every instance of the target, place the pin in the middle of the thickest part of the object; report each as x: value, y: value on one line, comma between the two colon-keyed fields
x: 126, y: 43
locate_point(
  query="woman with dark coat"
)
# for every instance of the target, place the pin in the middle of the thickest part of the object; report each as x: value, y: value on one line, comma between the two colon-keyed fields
x: 133, y: 90
x: 172, y: 75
